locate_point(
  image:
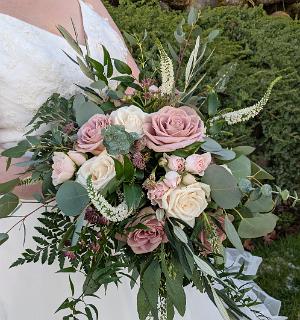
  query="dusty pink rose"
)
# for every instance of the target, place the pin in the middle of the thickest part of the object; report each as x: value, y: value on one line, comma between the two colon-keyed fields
x: 89, y: 137
x: 175, y: 163
x: 143, y: 241
x: 197, y: 163
x: 214, y: 237
x: 63, y: 168
x: 172, y: 128
x: 77, y: 157
x: 172, y: 179
x: 156, y: 192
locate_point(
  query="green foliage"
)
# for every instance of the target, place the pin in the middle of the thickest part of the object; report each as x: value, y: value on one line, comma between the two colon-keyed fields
x: 3, y: 237
x: 51, y: 232
x: 72, y: 198
x: 224, y: 188
x: 117, y: 140
x: 281, y: 258
x: 263, y: 48
x: 8, y: 203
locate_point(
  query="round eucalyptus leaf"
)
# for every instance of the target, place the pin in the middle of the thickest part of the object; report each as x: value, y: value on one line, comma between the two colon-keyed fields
x: 258, y: 226
x: 223, y: 185
x: 245, y: 185
x: 72, y: 198
x: 266, y: 190
x: 3, y: 237
x: 240, y: 167
x: 262, y: 204
x: 8, y: 203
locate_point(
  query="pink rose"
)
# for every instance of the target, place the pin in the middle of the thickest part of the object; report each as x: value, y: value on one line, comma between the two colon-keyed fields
x: 175, y: 163
x: 156, y: 192
x: 89, y: 137
x: 172, y: 179
x: 143, y: 241
x: 197, y: 163
x: 77, y: 157
x: 63, y: 168
x: 172, y: 128
x: 213, y: 238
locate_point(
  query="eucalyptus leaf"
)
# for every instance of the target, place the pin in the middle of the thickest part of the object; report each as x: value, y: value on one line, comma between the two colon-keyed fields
x: 262, y: 204
x: 245, y: 185
x: 266, y: 190
x: 8, y: 203
x: 245, y: 150
x: 84, y: 110
x: 117, y: 140
x: 240, y: 167
x: 72, y: 198
x: 224, y: 188
x: 258, y: 226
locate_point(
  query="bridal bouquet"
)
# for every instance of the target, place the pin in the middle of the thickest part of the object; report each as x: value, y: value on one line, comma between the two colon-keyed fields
x: 134, y: 184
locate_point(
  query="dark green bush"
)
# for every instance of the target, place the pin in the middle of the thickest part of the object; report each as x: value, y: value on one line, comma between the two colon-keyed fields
x: 263, y: 47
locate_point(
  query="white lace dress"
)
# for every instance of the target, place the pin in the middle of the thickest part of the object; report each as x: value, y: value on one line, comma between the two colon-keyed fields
x: 32, y: 67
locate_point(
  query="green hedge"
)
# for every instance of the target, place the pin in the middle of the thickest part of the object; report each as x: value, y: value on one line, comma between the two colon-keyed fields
x: 263, y: 47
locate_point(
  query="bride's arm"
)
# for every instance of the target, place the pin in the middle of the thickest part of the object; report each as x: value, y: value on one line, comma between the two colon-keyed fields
x: 102, y: 11
x: 24, y: 192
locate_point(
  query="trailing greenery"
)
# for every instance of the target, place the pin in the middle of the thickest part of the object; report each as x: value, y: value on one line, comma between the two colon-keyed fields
x: 263, y: 47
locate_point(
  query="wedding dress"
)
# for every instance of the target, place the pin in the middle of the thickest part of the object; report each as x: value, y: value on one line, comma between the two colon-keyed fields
x: 32, y: 67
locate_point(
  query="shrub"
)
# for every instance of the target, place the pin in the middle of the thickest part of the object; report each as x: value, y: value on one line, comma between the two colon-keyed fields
x: 263, y: 47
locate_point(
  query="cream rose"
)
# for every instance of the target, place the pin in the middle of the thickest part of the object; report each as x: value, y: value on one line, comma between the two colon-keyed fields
x: 186, y: 202
x: 131, y: 117
x: 101, y: 169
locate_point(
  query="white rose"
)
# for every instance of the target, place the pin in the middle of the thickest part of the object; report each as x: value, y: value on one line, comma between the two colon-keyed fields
x: 101, y: 169
x: 186, y: 202
x: 132, y: 118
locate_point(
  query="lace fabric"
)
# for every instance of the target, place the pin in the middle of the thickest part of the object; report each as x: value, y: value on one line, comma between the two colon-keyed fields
x: 33, y: 66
